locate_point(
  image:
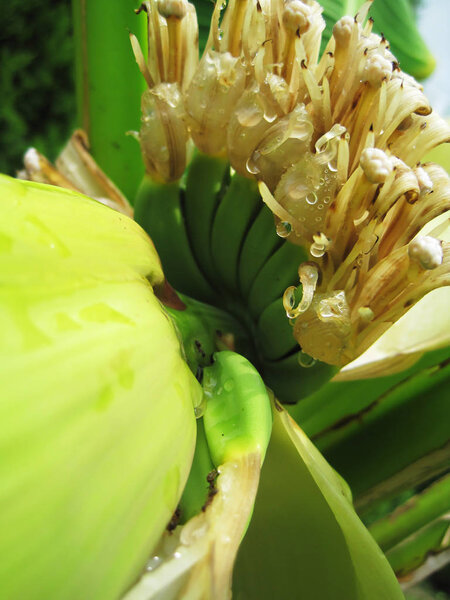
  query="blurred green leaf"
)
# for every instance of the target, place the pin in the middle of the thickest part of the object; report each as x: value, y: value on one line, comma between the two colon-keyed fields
x: 397, y: 22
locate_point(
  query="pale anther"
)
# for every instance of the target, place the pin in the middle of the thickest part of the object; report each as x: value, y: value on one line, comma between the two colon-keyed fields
x: 376, y: 165
x: 427, y: 251
x: 172, y: 8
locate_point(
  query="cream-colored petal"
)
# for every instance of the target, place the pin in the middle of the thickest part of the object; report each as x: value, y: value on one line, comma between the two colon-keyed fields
x: 425, y: 327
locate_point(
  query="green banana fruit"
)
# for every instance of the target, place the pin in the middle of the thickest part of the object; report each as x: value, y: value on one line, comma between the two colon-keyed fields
x: 275, y: 333
x: 295, y: 377
x: 201, y: 478
x: 238, y: 415
x: 260, y: 243
x: 196, y: 560
x: 234, y: 215
x: 158, y: 209
x: 206, y: 180
x: 278, y: 273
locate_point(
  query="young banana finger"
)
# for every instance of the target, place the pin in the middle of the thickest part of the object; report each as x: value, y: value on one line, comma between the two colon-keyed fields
x: 275, y: 332
x: 235, y: 213
x: 158, y: 210
x: 296, y: 376
x: 201, y: 478
x: 260, y: 243
x: 279, y: 272
x: 206, y: 180
x: 238, y: 417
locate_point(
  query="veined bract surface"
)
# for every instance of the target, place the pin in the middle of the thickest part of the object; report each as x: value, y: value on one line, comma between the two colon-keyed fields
x: 97, y: 405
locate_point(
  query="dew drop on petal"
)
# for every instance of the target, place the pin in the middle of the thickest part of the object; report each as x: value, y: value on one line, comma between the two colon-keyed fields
x: 251, y: 167
x: 306, y: 361
x: 311, y: 198
x: 283, y: 229
x: 332, y: 165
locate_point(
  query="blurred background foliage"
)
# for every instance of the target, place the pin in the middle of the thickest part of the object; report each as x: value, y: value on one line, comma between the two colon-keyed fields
x: 37, y: 99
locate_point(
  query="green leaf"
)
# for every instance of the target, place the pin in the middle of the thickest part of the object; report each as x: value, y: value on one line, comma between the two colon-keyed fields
x: 204, y: 10
x: 304, y: 535
x: 333, y: 10
x: 397, y: 22
x: 416, y: 512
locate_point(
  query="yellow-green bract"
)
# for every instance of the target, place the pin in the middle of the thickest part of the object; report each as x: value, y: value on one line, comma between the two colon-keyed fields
x: 97, y: 426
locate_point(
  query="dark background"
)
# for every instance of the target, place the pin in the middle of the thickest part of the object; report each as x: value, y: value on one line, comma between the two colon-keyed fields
x: 37, y: 100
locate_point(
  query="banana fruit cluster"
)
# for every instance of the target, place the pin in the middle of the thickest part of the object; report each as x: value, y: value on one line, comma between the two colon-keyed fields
x: 218, y: 244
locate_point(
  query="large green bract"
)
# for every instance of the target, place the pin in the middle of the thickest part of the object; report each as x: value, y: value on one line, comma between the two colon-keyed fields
x: 96, y: 411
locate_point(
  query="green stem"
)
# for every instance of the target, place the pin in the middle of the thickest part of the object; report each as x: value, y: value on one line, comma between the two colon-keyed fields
x: 412, y: 515
x: 109, y: 86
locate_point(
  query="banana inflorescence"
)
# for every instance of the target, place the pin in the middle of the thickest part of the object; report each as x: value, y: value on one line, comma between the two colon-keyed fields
x: 218, y: 244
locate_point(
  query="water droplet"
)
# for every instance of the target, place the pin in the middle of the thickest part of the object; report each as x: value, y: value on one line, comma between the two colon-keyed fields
x: 321, y: 181
x: 320, y: 206
x: 270, y: 116
x: 154, y: 563
x: 332, y: 165
x: 228, y: 385
x: 318, y: 219
x: 306, y: 361
x: 251, y: 167
x: 327, y: 199
x: 289, y: 297
x: 199, y: 410
x: 283, y: 229
x: 311, y: 198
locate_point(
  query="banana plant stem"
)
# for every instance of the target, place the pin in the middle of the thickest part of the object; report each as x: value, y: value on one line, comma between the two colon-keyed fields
x: 109, y: 86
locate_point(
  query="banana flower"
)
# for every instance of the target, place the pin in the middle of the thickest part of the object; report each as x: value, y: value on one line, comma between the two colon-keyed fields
x: 105, y: 369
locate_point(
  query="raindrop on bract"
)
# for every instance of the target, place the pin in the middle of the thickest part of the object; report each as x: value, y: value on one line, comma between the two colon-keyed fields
x: 332, y: 165
x: 311, y: 198
x: 228, y: 385
x: 153, y: 563
x: 199, y: 410
x: 283, y: 229
x: 251, y: 166
x: 306, y: 361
